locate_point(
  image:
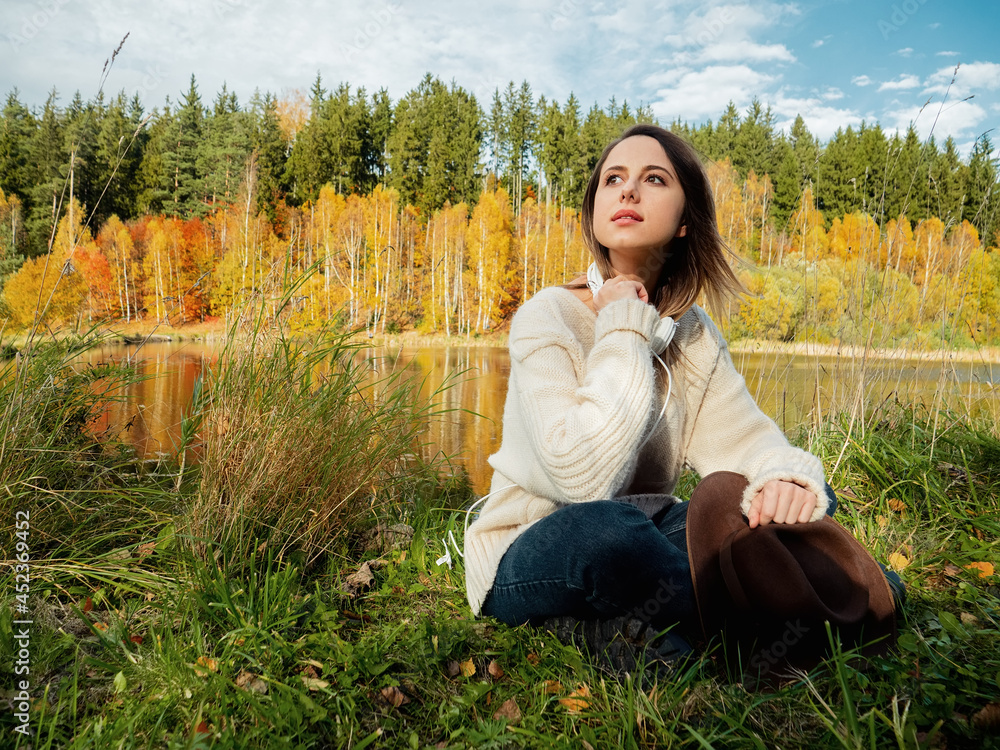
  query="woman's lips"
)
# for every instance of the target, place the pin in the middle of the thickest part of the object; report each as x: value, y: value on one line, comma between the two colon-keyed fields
x: 626, y: 217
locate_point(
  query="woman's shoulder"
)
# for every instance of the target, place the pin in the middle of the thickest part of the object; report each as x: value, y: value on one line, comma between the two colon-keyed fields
x: 696, y: 325
x: 553, y: 314
x: 561, y: 300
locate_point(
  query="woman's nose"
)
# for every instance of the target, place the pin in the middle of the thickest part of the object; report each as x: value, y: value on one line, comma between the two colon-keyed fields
x: 628, y: 191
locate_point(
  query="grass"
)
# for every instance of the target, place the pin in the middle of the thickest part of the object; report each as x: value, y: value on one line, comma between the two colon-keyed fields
x: 206, y: 604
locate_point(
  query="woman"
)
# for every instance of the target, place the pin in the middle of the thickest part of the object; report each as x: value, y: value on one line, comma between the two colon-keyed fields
x: 580, y: 523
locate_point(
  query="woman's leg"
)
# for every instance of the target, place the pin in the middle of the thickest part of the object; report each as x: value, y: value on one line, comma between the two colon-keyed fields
x: 592, y: 560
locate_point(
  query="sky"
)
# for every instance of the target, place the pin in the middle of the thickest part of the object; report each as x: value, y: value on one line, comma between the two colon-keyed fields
x: 835, y: 62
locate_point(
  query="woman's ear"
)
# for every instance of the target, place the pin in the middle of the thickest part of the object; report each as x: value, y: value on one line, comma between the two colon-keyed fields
x: 682, y: 232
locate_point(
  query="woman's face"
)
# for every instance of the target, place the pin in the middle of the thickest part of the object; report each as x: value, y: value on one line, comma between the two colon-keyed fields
x: 639, y: 203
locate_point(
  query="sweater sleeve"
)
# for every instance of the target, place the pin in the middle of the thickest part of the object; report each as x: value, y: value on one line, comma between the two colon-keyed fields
x: 584, y: 415
x: 731, y: 433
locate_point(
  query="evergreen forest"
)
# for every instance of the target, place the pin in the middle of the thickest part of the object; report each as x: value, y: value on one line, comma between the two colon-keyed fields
x: 441, y: 213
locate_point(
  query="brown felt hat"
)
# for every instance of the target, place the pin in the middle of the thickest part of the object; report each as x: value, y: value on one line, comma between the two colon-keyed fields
x: 769, y: 592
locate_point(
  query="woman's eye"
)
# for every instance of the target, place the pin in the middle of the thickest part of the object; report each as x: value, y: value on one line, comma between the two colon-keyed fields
x: 658, y: 178
x: 610, y: 178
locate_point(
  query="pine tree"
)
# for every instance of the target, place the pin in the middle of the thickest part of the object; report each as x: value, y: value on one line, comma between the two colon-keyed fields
x: 724, y: 136
x: 753, y: 144
x: 224, y: 148
x: 17, y: 126
x: 185, y: 183
x: 806, y: 150
x: 982, y: 198
x: 268, y: 143
x: 46, y: 155
x: 946, y: 189
x: 381, y: 129
x: 787, y: 183
x: 118, y: 159
x: 836, y: 186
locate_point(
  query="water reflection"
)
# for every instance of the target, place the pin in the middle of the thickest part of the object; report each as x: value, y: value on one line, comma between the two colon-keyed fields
x: 470, y: 384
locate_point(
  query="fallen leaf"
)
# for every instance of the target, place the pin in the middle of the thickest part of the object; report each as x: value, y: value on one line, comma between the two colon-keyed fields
x: 145, y: 550
x: 202, y: 728
x: 394, y: 696
x: 203, y: 665
x: 250, y: 682
x: 314, y: 684
x: 898, y: 561
x: 88, y: 605
x: 882, y: 521
x: 577, y: 700
x: 897, y: 505
x: 358, y: 581
x: 468, y: 668
x: 985, y: 569
x: 988, y: 718
x: 508, y: 711
x: 454, y: 668
x: 533, y: 658
x: 551, y: 686
x: 952, y: 570
x: 100, y: 626
x: 969, y: 619
x: 135, y: 638
x: 495, y: 670
x: 309, y: 671
x: 355, y: 616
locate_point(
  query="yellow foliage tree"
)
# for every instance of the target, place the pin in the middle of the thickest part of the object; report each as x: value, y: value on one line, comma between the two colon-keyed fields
x: 490, y: 242
x: 809, y: 237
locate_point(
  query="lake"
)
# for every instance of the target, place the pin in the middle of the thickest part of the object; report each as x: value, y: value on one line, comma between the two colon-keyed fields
x: 793, y: 389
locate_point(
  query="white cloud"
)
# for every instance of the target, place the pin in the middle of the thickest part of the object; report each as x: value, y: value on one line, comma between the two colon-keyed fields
x: 727, y: 33
x: 822, y: 120
x: 959, y: 119
x: 946, y: 53
x: 833, y: 94
x: 905, y: 52
x: 902, y: 83
x: 700, y: 94
x: 818, y: 43
x: 862, y: 81
x: 969, y: 79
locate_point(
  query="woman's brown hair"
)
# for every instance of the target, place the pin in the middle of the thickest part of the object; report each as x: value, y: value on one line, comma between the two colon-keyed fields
x: 695, y: 263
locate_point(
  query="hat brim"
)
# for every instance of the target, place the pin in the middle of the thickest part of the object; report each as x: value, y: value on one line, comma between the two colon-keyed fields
x: 768, y: 592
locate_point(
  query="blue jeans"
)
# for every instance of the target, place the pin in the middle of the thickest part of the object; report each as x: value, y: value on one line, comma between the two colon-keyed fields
x: 599, y: 560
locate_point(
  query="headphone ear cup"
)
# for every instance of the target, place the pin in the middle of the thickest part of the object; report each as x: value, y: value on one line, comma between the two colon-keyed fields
x: 594, y: 279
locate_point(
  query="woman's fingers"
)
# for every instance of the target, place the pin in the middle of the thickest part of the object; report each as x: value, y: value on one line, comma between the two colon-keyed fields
x: 781, y: 502
x: 620, y: 287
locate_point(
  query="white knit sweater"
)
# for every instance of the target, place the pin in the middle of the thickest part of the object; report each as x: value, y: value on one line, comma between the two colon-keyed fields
x: 581, y: 396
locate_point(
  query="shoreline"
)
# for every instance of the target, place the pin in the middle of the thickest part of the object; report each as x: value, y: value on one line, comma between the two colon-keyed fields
x: 209, y: 333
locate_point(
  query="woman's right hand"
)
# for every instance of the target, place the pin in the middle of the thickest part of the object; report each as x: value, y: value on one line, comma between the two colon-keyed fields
x: 620, y: 287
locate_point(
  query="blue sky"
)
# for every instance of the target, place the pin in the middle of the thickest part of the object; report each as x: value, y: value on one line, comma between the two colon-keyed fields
x: 835, y: 62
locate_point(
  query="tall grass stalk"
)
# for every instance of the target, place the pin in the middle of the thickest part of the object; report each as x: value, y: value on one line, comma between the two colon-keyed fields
x: 300, y: 446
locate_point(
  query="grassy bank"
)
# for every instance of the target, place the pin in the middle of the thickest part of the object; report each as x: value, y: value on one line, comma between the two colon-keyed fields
x: 227, y: 603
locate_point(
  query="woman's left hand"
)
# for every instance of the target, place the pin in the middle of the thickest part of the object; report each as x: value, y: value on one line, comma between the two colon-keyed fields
x: 781, y: 502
